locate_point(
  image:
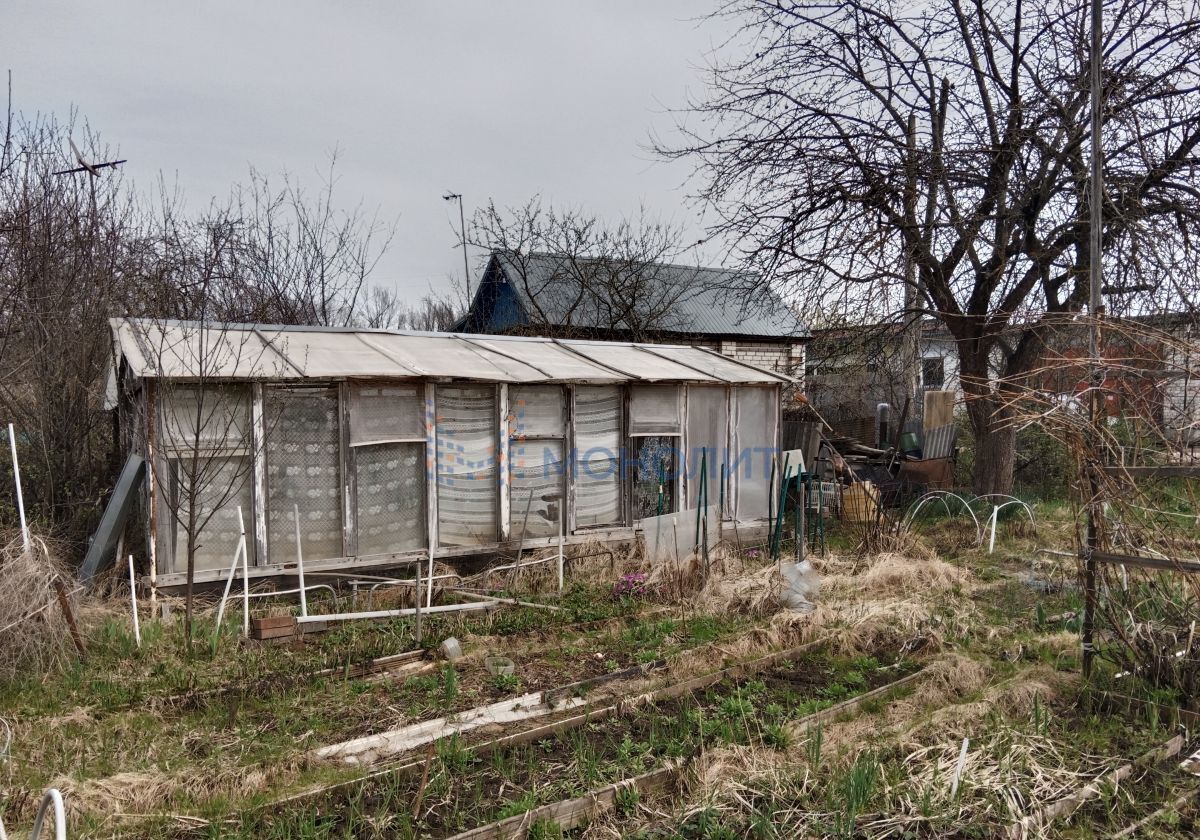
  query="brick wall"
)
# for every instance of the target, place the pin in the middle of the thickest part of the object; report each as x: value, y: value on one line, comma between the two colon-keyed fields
x: 782, y: 356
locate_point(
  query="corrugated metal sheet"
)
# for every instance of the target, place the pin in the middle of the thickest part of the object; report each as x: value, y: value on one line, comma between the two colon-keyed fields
x: 939, y: 442
x: 156, y: 349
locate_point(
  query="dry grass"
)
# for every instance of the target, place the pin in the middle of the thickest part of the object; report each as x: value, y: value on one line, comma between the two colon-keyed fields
x: 134, y: 794
x: 39, y: 642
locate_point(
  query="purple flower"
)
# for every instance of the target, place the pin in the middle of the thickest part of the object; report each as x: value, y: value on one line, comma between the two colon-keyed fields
x: 630, y: 585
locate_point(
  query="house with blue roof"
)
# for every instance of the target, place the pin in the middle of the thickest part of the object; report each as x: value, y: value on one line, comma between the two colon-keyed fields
x: 630, y: 299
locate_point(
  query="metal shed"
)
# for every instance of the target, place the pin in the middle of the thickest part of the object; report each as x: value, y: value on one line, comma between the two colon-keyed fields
x: 378, y: 448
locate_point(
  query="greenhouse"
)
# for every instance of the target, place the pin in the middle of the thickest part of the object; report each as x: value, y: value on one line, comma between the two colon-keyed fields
x: 372, y: 449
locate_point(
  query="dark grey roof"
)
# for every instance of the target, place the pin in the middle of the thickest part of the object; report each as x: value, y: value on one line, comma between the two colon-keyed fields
x: 702, y: 301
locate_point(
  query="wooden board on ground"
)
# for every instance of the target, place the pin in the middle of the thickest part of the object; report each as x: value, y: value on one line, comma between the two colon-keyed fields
x: 571, y: 813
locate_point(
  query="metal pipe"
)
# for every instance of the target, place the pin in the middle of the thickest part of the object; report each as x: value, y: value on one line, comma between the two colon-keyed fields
x: 512, y: 601
x: 308, y: 619
x: 12, y: 444
x: 276, y: 592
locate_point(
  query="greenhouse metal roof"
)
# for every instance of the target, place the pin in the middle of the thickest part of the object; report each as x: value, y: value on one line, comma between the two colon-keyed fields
x: 189, y: 350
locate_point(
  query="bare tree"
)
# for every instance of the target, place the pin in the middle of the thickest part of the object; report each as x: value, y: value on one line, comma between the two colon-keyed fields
x: 198, y: 432
x: 852, y: 151
x: 67, y: 262
x: 383, y: 308
x: 580, y: 276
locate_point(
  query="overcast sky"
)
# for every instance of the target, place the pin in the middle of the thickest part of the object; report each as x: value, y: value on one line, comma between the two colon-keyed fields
x: 490, y: 99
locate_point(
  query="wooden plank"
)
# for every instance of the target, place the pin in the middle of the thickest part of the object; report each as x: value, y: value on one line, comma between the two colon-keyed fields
x: 263, y: 633
x: 1156, y: 563
x: 1040, y: 818
x: 272, y: 622
x: 571, y: 813
x: 939, y: 409
x: 550, y: 695
x: 1161, y: 471
x: 584, y: 716
x: 853, y: 703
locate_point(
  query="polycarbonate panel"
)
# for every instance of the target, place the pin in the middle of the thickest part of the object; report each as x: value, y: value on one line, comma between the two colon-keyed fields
x: 597, y: 456
x: 655, y: 409
x: 719, y: 366
x: 554, y: 361
x: 382, y: 413
x: 219, y: 485
x: 326, y: 354
x: 538, y: 485
x: 432, y: 355
x: 303, y: 470
x: 707, y: 441
x: 390, y: 478
x: 155, y: 349
x: 755, y: 413
x: 171, y: 351
x: 537, y: 411
x: 467, y: 429
x: 208, y: 416
x: 638, y: 364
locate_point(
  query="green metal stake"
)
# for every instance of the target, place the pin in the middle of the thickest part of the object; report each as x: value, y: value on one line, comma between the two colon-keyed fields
x: 702, y: 493
x: 721, y: 492
x: 781, y: 518
x: 771, y: 501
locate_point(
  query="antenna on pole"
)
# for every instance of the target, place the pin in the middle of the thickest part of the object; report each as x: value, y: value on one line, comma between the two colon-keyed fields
x: 462, y: 222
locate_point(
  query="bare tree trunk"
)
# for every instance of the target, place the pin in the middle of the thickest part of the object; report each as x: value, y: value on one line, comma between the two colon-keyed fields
x: 995, y: 447
x: 191, y: 580
x: 995, y: 437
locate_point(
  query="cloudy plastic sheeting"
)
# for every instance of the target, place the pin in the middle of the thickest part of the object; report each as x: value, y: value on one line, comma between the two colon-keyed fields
x: 209, y: 416
x: 597, y: 456
x: 655, y: 409
x: 386, y: 413
x: 303, y: 450
x: 537, y: 489
x: 755, y: 413
x: 536, y: 411
x: 707, y: 440
x: 468, y: 494
x: 390, y: 478
x: 221, y: 484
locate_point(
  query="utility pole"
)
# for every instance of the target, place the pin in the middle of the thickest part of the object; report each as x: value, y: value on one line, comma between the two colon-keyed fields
x: 912, y: 293
x: 1095, y: 312
x: 462, y: 226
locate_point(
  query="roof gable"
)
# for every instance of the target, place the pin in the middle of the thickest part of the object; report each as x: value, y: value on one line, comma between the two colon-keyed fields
x: 626, y: 297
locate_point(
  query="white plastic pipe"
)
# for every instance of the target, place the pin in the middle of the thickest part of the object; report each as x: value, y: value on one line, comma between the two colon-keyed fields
x: 958, y: 771
x: 562, y: 507
x: 241, y: 546
x: 429, y: 587
x: 245, y: 577
x: 992, y: 536
x: 12, y: 444
x: 137, y: 630
x: 51, y: 798
x: 353, y: 616
x: 300, y: 562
